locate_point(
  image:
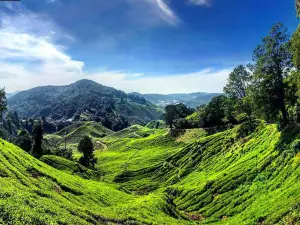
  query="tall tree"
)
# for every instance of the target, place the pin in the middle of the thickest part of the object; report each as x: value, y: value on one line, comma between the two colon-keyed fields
x: 24, y: 141
x: 175, y: 112
x: 238, y: 82
x: 298, y: 7
x: 295, y: 48
x: 37, y: 135
x: 170, y: 115
x: 3, y: 102
x: 271, y: 60
x: 215, y: 112
x: 86, y: 147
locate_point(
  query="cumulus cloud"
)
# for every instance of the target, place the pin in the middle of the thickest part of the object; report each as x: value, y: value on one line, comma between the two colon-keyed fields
x: 29, y: 55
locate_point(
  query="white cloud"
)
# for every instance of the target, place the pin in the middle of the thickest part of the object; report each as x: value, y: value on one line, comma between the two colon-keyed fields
x: 200, y: 2
x: 154, y: 12
x: 206, y: 80
x: 166, y: 12
x: 31, y: 57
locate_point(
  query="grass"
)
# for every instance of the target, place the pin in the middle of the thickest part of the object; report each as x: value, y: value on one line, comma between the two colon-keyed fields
x: 230, y: 178
x: 35, y: 193
x: 245, y: 175
x: 134, y: 148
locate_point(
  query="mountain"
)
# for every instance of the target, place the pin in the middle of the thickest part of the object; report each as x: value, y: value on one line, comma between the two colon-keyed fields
x: 84, y: 100
x: 191, y: 100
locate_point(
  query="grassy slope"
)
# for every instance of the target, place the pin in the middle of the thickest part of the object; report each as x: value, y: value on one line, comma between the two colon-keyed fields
x: 74, y: 133
x: 230, y: 178
x: 32, y: 192
x: 226, y: 178
x: 134, y: 148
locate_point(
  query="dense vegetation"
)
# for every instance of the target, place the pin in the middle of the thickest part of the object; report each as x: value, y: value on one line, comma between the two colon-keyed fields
x: 84, y: 100
x: 267, y: 89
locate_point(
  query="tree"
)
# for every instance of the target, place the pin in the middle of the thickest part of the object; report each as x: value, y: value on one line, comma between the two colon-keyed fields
x: 3, y: 102
x: 214, y: 113
x: 16, y: 119
x: 237, y: 83
x: 298, y: 7
x: 295, y: 48
x: 271, y: 60
x: 37, y: 135
x: 176, y: 112
x: 24, y: 141
x: 170, y: 115
x: 86, y: 147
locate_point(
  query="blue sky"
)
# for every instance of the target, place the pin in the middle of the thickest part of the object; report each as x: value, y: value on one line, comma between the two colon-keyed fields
x: 149, y: 46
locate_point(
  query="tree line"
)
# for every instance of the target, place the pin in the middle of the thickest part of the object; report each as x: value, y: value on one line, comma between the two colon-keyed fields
x: 268, y: 88
x: 29, y: 137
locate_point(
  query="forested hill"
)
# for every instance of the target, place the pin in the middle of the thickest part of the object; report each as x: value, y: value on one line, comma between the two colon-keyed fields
x: 84, y: 98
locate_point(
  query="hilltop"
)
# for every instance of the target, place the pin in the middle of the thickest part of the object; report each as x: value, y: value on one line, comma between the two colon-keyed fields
x: 84, y: 100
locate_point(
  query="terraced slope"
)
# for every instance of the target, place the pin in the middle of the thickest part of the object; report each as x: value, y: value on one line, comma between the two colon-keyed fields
x: 32, y: 192
x: 239, y: 176
x: 230, y: 177
x: 78, y: 130
x: 134, y: 148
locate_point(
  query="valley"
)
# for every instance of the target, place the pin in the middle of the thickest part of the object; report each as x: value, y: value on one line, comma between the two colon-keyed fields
x: 149, y: 177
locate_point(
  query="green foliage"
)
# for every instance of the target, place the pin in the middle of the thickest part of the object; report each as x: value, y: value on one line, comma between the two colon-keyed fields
x: 86, y: 100
x: 218, y: 112
x: 237, y: 83
x: 3, y: 101
x: 272, y: 60
x: 24, y: 141
x: 176, y: 114
x: 86, y: 147
x: 37, y: 135
x: 295, y: 47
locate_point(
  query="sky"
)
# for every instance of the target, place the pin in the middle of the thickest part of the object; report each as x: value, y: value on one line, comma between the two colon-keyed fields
x: 146, y: 46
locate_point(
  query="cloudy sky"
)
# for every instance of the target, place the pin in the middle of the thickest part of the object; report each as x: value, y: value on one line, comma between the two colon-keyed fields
x: 148, y: 46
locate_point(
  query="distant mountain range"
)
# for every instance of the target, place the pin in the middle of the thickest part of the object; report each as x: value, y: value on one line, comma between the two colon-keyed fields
x: 84, y: 100
x: 192, y: 100
x: 9, y: 95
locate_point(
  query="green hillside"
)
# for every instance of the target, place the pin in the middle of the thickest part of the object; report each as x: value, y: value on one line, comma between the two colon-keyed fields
x: 35, y: 193
x: 230, y: 178
x: 149, y: 177
x: 76, y: 131
x: 84, y: 100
